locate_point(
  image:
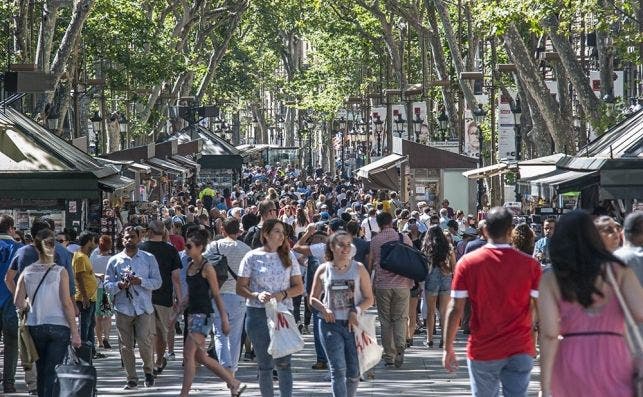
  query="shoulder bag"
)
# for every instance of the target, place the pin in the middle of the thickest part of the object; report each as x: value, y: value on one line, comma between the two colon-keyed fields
x: 403, y: 260
x: 26, y: 345
x: 635, y: 340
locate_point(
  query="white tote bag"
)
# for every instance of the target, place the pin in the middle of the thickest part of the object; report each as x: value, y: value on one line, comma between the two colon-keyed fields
x: 369, y: 353
x: 285, y: 338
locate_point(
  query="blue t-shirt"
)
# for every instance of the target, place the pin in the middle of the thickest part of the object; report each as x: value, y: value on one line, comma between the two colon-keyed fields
x: 8, y: 249
x: 362, y: 247
x: 28, y: 255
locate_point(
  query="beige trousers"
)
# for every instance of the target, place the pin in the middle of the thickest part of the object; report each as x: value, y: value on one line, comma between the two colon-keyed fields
x: 139, y: 330
x: 393, y: 312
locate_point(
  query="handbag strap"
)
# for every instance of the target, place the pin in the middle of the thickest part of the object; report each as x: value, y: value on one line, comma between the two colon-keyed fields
x: 636, y: 341
x: 33, y: 298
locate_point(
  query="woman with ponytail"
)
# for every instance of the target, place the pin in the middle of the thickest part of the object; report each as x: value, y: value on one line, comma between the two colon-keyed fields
x: 270, y: 271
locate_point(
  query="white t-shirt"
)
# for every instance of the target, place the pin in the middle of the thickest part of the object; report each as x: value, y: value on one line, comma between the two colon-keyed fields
x: 319, y: 251
x: 267, y: 273
x: 373, y: 227
x: 234, y: 251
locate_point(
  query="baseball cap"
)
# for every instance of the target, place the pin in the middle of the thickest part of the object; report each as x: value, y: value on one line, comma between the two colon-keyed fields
x: 336, y: 224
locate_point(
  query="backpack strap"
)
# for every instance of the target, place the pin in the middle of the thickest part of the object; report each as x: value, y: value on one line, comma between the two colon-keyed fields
x: 401, y: 238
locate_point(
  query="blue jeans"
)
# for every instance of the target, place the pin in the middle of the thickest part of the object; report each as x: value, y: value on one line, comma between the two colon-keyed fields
x: 228, y: 347
x: 319, y: 349
x: 51, y: 343
x: 513, y: 372
x: 9, y: 328
x: 257, y: 329
x: 87, y: 323
x: 339, y: 345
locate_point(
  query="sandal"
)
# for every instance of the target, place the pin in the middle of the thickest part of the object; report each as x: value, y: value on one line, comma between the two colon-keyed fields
x: 237, y: 391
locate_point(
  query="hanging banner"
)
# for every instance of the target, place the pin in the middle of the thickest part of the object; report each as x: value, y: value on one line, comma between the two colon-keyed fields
x: 471, y: 141
x: 506, y: 131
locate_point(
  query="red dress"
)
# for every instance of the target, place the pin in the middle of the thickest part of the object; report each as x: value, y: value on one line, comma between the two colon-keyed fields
x: 599, y: 364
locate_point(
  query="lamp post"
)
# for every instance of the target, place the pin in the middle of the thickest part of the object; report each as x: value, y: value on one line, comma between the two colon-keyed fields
x: 443, y: 124
x: 379, y: 126
x: 96, y: 126
x: 254, y: 125
x: 399, y: 124
x: 516, y: 110
x: 417, y: 124
x: 280, y: 128
x: 478, y: 116
x: 610, y: 101
x: 123, y: 128
x: 309, y: 124
x: 342, y: 127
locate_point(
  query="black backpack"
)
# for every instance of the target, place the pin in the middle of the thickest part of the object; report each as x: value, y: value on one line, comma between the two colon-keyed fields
x: 220, y: 264
x: 253, y: 237
x: 403, y: 260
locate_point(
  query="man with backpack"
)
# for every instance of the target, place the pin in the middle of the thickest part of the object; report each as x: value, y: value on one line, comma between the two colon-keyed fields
x: 267, y: 210
x: 392, y: 294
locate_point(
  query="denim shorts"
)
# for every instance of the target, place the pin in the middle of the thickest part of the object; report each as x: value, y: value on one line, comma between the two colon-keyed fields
x: 200, y: 323
x: 437, y: 282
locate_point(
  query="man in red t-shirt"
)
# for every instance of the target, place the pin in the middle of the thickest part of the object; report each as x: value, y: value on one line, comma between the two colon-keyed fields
x: 501, y: 283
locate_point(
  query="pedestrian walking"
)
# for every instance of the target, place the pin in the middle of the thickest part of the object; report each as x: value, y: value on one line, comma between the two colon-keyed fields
x: 500, y: 282
x: 131, y: 277
x: 392, y: 294
x: 268, y: 272
x: 202, y: 285
x: 584, y: 351
x: 43, y: 289
x: 347, y: 293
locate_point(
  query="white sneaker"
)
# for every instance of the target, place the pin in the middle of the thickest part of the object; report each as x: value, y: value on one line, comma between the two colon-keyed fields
x: 169, y: 356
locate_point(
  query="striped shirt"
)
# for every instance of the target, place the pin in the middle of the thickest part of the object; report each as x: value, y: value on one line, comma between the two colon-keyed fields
x: 384, y: 278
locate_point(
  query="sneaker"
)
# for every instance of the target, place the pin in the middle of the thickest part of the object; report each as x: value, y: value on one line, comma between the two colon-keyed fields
x: 249, y: 356
x: 131, y: 385
x: 399, y: 359
x: 170, y: 356
x: 33, y: 392
x: 320, y: 365
x: 106, y: 344
x: 305, y: 330
x: 157, y: 370
x: 275, y: 375
x: 300, y: 327
x: 98, y: 355
x: 149, y: 380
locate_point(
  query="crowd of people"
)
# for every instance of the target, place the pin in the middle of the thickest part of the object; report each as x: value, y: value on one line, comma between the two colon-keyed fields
x: 314, y: 244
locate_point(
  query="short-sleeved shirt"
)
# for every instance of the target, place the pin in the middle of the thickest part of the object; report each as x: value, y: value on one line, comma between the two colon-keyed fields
x: 26, y: 255
x: 83, y: 271
x: 234, y: 251
x: 499, y: 282
x: 168, y: 260
x: 384, y: 278
x: 267, y: 273
x: 362, y: 248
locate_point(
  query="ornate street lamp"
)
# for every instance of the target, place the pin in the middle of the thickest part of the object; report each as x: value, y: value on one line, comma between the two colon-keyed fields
x: 417, y: 124
x: 610, y: 101
x: 379, y: 127
x: 96, y: 126
x: 399, y: 124
x: 516, y: 110
x: 479, y: 115
x: 123, y: 128
x: 443, y: 124
x: 342, y: 128
x: 255, y: 124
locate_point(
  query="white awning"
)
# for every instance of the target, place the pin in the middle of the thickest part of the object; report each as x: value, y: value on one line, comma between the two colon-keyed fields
x: 382, y: 164
x: 488, y: 171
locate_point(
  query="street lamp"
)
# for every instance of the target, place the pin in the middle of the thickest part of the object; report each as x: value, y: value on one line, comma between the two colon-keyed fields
x: 254, y: 123
x: 399, y: 124
x: 123, y: 128
x: 478, y: 116
x: 610, y: 101
x: 96, y: 126
x: 342, y: 127
x: 443, y: 124
x: 516, y: 110
x: 417, y: 124
x: 280, y: 129
x: 379, y: 126
x: 309, y: 124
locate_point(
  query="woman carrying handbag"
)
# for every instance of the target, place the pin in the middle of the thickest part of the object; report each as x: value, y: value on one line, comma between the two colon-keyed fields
x: 584, y: 350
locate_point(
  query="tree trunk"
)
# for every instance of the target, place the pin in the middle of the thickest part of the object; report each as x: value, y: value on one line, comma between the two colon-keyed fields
x: 605, y: 49
x: 586, y: 97
x: 441, y: 69
x: 545, y: 104
x: 46, y: 33
x: 452, y: 42
x: 21, y: 32
x: 217, y: 55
